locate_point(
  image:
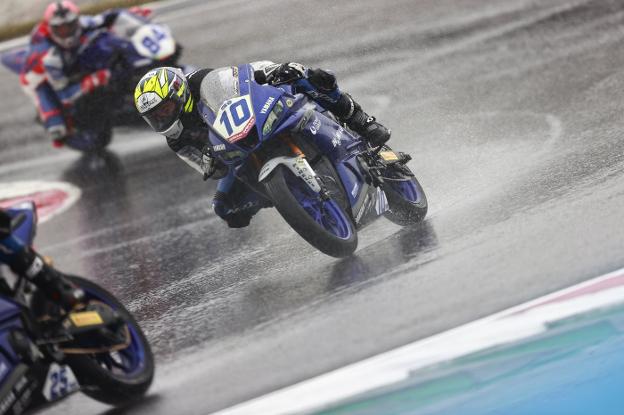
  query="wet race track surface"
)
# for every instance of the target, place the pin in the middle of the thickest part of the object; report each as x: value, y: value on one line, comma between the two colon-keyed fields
x: 512, y: 113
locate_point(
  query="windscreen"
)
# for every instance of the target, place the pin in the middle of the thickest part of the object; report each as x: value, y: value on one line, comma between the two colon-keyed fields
x: 218, y: 86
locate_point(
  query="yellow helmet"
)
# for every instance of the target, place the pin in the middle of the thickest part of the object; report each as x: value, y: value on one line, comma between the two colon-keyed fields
x: 161, y: 96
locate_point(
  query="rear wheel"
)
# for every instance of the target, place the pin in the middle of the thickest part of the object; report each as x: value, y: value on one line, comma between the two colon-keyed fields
x: 322, y: 223
x: 119, y: 377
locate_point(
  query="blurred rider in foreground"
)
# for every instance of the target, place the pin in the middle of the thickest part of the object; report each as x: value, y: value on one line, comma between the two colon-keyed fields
x: 52, y: 73
x: 165, y: 98
x: 23, y: 260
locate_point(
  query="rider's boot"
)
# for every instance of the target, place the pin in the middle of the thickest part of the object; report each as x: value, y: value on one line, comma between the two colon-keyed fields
x: 346, y: 109
x: 351, y: 113
x: 52, y: 283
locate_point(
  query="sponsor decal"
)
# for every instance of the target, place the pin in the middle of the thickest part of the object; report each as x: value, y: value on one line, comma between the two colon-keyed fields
x: 218, y: 147
x: 147, y: 101
x: 50, y: 198
x: 242, y: 208
x: 270, y: 68
x: 337, y: 137
x: 363, y: 209
x: 267, y: 105
x: 243, y: 133
x: 304, y: 170
x: 315, y: 126
x: 60, y: 382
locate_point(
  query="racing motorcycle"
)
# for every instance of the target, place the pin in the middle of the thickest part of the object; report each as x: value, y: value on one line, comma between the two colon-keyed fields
x: 47, y: 354
x: 131, y: 46
x: 323, y: 179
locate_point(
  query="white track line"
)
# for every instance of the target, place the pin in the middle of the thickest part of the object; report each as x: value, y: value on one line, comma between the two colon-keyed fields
x: 10, y: 190
x: 507, y: 326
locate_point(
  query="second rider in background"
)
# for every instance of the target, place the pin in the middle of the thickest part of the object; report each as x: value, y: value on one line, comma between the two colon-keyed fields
x: 52, y: 74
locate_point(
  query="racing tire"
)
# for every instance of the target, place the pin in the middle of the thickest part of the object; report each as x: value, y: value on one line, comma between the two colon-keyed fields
x: 304, y: 224
x: 407, y: 201
x: 97, y: 381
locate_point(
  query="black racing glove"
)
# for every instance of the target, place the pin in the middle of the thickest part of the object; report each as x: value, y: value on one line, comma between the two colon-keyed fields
x: 212, y: 166
x: 5, y: 225
x: 277, y: 74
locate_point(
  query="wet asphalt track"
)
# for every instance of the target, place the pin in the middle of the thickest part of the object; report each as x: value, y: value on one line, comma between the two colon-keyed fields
x: 513, y: 113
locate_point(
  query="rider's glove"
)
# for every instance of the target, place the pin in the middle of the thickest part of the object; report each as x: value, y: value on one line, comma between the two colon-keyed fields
x: 95, y: 80
x: 285, y: 73
x: 211, y: 166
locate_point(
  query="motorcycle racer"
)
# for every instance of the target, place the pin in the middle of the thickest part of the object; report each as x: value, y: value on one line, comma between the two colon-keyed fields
x: 51, y: 73
x: 165, y: 97
x: 23, y: 260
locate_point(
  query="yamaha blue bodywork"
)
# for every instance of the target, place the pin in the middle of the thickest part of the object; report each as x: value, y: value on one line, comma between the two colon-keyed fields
x: 33, y: 367
x: 274, y: 111
x: 15, y: 381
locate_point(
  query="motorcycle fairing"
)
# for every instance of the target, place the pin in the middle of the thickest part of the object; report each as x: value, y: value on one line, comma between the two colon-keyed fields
x: 227, y: 91
x: 234, y: 107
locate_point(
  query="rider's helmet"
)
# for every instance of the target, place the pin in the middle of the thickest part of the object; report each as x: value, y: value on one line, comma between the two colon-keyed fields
x: 62, y: 18
x: 161, y: 96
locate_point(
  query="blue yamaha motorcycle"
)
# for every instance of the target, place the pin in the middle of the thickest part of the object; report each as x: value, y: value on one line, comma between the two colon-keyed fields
x: 47, y: 354
x: 323, y: 179
x: 130, y: 47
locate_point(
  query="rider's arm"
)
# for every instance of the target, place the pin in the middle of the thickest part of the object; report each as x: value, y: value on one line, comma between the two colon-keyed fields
x: 191, y: 146
x: 71, y: 92
x: 191, y: 151
x: 317, y: 83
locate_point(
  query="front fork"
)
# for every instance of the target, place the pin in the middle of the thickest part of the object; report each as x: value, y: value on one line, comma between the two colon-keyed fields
x: 299, y: 166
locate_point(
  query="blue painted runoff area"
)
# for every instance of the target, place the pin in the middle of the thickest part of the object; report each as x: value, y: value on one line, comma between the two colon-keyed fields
x: 575, y: 368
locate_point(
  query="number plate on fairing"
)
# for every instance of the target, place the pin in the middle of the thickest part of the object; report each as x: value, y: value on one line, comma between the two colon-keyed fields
x: 60, y: 381
x: 154, y: 42
x: 235, y: 118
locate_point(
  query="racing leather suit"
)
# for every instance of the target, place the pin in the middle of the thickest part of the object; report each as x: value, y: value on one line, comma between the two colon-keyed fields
x: 53, y: 77
x: 234, y: 201
x: 23, y: 260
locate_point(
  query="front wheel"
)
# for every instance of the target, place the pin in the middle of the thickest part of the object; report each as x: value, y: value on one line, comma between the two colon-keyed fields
x: 407, y: 200
x: 322, y: 223
x: 117, y: 377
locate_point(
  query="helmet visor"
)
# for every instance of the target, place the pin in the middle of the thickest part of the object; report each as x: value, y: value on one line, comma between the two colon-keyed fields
x: 163, y: 115
x: 65, y: 30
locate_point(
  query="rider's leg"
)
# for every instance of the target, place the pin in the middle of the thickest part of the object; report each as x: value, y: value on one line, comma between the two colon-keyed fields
x: 344, y: 107
x: 26, y: 262
x: 234, y: 202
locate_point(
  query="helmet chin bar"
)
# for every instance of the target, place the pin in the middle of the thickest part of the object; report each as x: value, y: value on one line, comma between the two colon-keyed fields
x: 174, y: 131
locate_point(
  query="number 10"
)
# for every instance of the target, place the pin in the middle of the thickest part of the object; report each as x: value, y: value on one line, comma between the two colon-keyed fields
x: 238, y: 112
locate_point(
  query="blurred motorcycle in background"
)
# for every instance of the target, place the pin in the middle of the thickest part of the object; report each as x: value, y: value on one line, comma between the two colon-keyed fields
x: 128, y: 48
x: 47, y: 353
